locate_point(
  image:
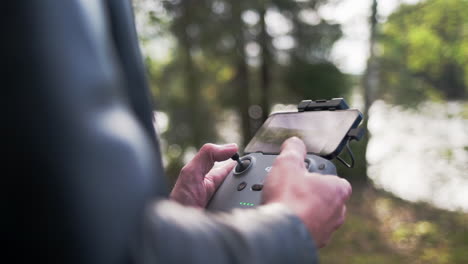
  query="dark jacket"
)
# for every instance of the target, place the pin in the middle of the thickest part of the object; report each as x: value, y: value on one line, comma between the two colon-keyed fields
x: 84, y: 179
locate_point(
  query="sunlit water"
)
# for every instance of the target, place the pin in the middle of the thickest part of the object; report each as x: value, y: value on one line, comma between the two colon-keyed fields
x: 420, y: 154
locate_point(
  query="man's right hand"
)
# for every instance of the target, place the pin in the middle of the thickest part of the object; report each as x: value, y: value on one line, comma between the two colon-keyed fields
x: 318, y: 200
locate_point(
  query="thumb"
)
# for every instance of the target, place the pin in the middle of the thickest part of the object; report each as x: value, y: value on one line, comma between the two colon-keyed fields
x: 293, y: 153
x: 210, y: 153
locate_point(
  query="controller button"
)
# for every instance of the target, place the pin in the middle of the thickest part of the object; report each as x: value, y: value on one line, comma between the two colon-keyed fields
x: 321, y: 166
x: 307, y: 164
x: 257, y: 187
x: 241, y: 186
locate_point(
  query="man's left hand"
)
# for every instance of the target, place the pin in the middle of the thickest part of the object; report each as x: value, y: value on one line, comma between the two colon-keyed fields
x: 198, y: 180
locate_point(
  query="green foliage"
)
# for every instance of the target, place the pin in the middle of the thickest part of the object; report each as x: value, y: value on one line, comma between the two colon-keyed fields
x: 316, y: 80
x: 424, y: 52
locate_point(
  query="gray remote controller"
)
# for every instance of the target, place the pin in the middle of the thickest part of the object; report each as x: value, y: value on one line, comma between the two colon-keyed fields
x: 243, y: 188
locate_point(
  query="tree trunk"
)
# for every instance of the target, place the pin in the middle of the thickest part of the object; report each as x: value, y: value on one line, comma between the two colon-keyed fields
x: 370, y: 85
x: 370, y: 78
x: 452, y: 82
x: 242, y: 74
x: 191, y: 84
x: 265, y: 67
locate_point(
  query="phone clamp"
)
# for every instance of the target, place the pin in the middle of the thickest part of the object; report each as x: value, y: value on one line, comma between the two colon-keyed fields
x: 332, y: 105
x: 322, y: 105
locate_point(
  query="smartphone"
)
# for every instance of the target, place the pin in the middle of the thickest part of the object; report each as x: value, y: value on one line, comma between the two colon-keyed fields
x: 323, y: 132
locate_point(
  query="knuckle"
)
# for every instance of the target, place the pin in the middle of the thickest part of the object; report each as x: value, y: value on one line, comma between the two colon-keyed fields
x: 290, y: 156
x: 347, y: 187
x: 341, y: 189
x: 288, y: 159
x: 341, y: 192
x: 186, y: 170
x: 280, y: 160
x: 208, y: 148
x: 346, y: 192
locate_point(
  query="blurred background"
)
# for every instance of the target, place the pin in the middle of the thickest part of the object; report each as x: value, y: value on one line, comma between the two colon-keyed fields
x: 218, y: 68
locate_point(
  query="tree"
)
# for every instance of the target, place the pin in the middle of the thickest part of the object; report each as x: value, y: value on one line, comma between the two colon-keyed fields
x: 303, y: 70
x: 424, y: 52
x: 370, y: 84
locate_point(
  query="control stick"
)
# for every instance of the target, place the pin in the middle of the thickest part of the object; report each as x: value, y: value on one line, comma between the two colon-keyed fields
x: 241, y: 165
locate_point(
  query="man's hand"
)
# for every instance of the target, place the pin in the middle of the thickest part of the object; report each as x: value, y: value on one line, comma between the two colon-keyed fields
x: 198, y: 180
x: 318, y: 200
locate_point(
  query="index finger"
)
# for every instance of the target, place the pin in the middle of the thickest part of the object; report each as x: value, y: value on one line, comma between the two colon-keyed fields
x: 205, y: 159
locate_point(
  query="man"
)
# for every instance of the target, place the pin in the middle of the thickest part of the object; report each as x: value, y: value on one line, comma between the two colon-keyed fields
x: 88, y: 185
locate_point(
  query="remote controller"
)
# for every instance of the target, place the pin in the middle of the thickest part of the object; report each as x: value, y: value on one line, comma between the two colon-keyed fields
x: 242, y: 188
x: 329, y: 120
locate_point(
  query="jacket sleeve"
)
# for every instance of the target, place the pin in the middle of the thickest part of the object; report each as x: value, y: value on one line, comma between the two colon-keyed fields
x: 172, y: 233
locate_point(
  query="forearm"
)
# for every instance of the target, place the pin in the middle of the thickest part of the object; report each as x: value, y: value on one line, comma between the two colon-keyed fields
x: 270, y: 234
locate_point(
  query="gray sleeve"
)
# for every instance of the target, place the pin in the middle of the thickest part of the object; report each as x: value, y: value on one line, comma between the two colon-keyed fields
x: 269, y: 234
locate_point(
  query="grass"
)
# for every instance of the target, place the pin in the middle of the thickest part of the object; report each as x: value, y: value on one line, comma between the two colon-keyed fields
x: 382, y: 228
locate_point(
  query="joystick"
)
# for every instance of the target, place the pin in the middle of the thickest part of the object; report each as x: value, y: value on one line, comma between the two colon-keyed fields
x: 242, y: 164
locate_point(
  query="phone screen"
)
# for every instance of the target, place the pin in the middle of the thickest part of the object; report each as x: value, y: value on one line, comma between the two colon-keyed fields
x: 321, y: 131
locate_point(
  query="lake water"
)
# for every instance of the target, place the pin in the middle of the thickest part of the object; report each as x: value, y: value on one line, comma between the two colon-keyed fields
x: 421, y: 154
